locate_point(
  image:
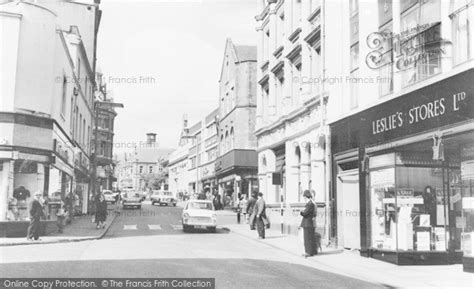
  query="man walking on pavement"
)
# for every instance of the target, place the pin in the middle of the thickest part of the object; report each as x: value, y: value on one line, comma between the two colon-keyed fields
x: 251, y: 210
x: 260, y: 215
x: 36, y: 212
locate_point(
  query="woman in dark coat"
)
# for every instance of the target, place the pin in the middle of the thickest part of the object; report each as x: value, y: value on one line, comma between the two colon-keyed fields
x: 101, y: 210
x: 308, y: 225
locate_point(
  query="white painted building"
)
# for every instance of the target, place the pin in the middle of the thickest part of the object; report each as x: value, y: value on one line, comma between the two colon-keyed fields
x: 46, y: 100
x: 290, y: 124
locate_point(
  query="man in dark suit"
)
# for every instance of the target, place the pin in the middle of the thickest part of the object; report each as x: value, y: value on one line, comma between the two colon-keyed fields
x: 307, y: 224
x: 250, y: 210
x: 36, y: 212
x: 260, y: 214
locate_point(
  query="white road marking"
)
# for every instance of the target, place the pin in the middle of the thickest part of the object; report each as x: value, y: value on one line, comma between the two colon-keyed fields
x: 177, y: 227
x: 154, y: 227
x: 130, y: 227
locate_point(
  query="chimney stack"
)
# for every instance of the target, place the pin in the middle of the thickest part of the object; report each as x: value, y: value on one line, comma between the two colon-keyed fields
x: 185, y: 120
x: 151, y: 138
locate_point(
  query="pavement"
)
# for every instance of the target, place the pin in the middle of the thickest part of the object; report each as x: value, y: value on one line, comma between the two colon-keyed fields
x: 80, y: 229
x: 351, y: 264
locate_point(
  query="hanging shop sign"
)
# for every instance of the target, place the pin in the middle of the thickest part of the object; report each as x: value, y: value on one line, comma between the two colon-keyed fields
x: 443, y: 103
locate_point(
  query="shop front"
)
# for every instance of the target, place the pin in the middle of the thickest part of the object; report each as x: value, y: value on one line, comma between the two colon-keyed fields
x: 237, y: 175
x: 405, y: 164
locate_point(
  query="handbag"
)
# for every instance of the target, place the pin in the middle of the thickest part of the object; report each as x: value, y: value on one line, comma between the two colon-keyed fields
x: 266, y: 222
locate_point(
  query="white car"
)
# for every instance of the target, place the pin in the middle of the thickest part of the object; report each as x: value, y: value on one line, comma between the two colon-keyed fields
x: 109, y: 196
x: 199, y: 214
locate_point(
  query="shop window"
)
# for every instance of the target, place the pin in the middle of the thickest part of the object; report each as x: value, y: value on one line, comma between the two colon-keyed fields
x: 415, y: 203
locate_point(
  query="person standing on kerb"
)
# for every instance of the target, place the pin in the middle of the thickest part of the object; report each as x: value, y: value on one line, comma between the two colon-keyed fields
x: 36, y: 212
x: 260, y: 212
x: 307, y: 223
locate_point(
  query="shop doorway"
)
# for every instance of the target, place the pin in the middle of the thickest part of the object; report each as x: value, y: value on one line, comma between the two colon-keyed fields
x: 349, y: 209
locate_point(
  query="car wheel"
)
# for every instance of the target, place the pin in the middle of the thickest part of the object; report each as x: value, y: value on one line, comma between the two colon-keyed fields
x: 174, y: 205
x: 185, y: 228
x: 212, y: 230
x: 139, y: 207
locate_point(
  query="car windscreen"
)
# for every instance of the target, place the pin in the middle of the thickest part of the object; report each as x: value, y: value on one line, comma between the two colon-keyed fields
x: 132, y: 195
x: 200, y: 206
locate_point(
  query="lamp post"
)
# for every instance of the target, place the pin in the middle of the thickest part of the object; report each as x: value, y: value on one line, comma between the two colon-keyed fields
x: 97, y: 106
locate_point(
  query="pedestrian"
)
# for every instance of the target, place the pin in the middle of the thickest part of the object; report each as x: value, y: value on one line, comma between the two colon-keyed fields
x: 61, y: 215
x: 307, y: 223
x: 201, y: 196
x: 100, y: 210
x: 251, y: 210
x: 260, y: 216
x: 36, y: 212
x: 239, y: 210
x: 243, y: 207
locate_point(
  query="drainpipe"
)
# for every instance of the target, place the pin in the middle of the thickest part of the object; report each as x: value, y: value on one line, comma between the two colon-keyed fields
x: 327, y: 136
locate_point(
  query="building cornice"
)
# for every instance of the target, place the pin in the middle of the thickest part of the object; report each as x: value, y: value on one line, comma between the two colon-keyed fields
x: 306, y: 107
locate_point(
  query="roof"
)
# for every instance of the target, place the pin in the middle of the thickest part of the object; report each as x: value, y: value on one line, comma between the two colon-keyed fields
x: 245, y: 53
x: 152, y: 155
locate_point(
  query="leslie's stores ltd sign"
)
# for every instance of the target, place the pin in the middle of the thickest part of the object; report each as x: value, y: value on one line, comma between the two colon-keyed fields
x: 443, y: 103
x: 420, y: 113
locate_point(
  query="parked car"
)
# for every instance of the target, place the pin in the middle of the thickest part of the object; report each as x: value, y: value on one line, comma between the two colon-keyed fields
x: 199, y: 214
x: 132, y: 199
x: 163, y: 197
x: 155, y: 197
x: 110, y: 197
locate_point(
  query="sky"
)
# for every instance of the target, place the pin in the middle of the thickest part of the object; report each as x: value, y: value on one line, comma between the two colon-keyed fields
x: 162, y: 59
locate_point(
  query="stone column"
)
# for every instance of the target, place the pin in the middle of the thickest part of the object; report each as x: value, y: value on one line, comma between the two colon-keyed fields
x: 292, y: 173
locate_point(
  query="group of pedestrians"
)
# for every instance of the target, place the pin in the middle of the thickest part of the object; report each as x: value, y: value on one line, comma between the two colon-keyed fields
x: 256, y: 211
x: 258, y: 219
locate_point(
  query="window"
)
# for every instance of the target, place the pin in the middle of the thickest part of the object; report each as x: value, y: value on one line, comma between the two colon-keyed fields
x: 63, y: 96
x: 354, y: 7
x: 296, y: 15
x: 83, y: 132
x: 78, y: 69
x: 420, y: 53
x: 71, y: 125
x: 385, y: 77
x: 140, y: 170
x: 232, y: 140
x: 79, y: 137
x: 296, y: 85
x: 354, y: 86
x: 354, y: 50
x: 150, y: 169
x: 266, y: 46
x: 462, y: 36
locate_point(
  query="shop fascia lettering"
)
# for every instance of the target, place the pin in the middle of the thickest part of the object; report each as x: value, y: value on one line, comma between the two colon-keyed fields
x: 417, y: 113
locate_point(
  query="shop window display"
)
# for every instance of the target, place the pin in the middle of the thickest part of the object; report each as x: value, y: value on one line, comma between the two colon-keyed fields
x: 409, y: 203
x: 467, y: 217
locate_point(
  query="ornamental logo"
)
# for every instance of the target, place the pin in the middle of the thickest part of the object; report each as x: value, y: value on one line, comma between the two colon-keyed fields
x: 408, y: 49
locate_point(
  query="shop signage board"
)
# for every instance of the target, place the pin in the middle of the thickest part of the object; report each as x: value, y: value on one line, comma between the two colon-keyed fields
x: 440, y: 238
x: 468, y: 244
x: 423, y: 241
x: 443, y: 103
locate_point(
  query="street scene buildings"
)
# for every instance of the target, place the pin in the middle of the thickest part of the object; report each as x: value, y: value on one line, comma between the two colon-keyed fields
x: 351, y: 122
